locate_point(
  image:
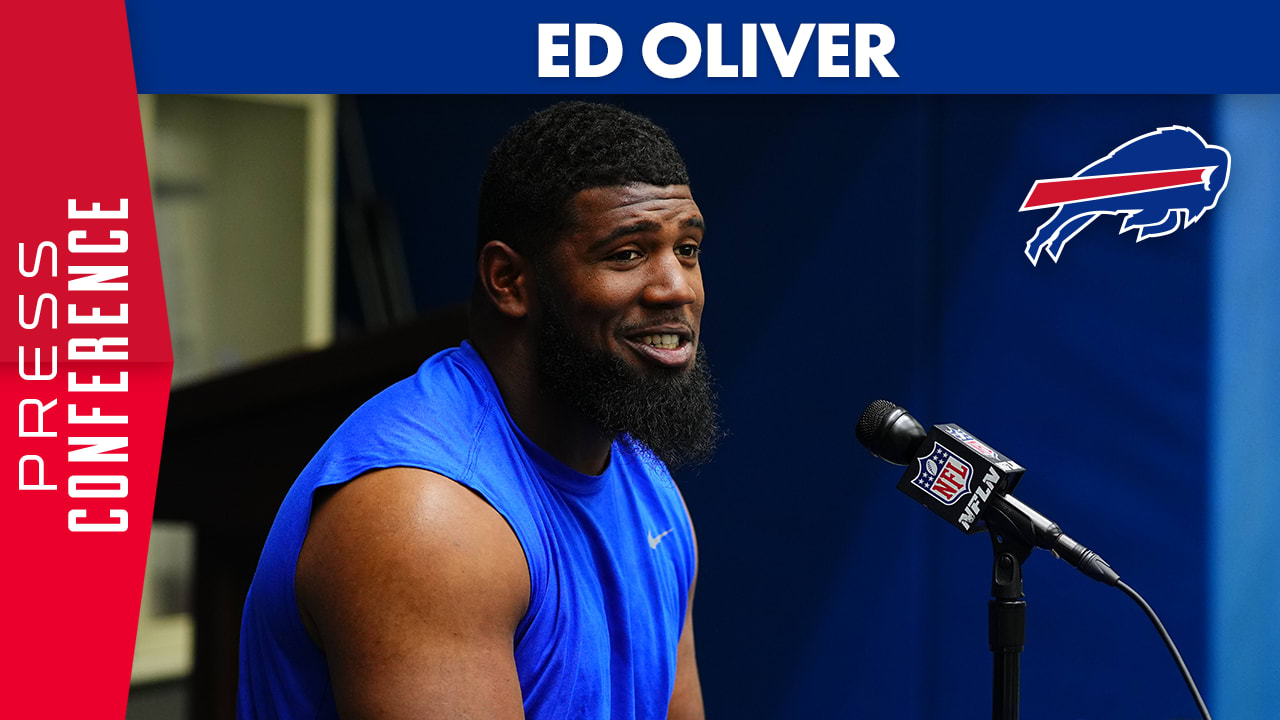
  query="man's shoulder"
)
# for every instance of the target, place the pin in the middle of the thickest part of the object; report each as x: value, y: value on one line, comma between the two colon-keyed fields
x: 438, y: 412
x: 405, y: 530
x: 445, y: 386
x: 401, y: 567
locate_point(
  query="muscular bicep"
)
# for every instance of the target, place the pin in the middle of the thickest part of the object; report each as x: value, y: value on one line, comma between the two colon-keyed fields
x: 414, y: 587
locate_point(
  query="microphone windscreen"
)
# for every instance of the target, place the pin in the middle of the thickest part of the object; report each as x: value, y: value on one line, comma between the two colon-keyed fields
x: 871, y: 420
x: 889, y: 432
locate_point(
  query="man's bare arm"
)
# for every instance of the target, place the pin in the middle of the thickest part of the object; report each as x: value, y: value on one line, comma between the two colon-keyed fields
x: 686, y: 696
x: 413, y: 586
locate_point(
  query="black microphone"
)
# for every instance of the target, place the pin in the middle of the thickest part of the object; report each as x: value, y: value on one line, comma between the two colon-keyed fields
x: 967, y: 483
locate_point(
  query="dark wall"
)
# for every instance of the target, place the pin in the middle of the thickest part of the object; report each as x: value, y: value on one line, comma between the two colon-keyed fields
x: 864, y: 247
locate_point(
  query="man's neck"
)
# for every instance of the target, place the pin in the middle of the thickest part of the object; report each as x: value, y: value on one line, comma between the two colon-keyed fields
x: 545, y: 418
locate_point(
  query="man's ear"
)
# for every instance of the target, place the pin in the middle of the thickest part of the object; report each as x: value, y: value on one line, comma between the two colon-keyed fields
x: 507, y: 278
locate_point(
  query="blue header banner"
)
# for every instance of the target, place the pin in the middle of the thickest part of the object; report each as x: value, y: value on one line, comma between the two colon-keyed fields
x: 741, y: 47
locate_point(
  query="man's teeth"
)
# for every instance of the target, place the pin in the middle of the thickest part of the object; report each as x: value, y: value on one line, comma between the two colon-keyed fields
x: 666, y: 342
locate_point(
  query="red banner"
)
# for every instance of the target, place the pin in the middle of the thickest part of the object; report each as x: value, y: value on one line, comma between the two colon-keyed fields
x: 86, y: 377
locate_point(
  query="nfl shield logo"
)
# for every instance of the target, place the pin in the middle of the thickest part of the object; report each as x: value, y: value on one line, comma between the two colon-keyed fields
x: 943, y: 475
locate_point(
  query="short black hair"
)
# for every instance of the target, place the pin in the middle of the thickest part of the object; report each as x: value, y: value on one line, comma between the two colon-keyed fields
x: 540, y: 164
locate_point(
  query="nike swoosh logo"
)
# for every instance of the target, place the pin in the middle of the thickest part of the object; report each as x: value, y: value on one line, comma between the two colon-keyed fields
x: 653, y: 541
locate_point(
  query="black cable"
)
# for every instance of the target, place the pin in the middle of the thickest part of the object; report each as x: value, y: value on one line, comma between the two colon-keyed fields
x: 1173, y: 649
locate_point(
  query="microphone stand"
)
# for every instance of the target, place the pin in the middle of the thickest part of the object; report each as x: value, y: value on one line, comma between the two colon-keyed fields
x: 1006, y: 621
x: 890, y: 433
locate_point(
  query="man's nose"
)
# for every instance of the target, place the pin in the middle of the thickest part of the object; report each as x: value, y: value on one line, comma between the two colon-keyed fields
x: 671, y: 283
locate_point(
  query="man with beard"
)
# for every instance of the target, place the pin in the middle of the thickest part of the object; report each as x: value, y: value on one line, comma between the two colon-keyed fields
x: 498, y: 536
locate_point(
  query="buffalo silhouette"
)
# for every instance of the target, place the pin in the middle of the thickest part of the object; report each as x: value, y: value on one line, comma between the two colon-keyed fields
x: 1154, y: 212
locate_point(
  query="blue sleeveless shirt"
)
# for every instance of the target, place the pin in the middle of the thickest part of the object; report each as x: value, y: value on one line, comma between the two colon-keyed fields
x: 611, y: 557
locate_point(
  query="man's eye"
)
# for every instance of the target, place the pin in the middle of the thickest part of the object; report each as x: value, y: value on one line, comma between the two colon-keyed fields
x: 689, y: 250
x: 625, y: 255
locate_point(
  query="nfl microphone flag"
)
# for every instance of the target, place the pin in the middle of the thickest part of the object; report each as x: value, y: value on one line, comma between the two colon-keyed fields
x: 956, y: 488
x: 88, y: 366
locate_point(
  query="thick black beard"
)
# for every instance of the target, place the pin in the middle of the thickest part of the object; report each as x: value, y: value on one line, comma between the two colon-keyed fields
x: 669, y: 413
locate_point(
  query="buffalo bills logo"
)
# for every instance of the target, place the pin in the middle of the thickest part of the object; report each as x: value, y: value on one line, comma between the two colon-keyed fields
x: 944, y: 475
x: 1160, y: 182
